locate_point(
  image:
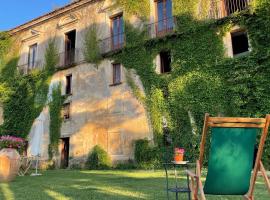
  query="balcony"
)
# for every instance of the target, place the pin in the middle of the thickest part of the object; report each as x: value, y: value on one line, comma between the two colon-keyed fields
x: 112, y: 43
x: 162, y: 27
x: 70, y: 58
x: 65, y: 60
x: 28, y: 67
x: 223, y: 8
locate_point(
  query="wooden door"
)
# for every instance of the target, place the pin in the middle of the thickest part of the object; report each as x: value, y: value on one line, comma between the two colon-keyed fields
x: 65, y: 153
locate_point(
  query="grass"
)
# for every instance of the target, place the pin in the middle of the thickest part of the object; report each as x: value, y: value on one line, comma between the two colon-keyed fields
x: 98, y: 185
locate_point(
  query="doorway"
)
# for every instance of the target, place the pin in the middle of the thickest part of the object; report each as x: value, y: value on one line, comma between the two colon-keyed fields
x: 70, y: 45
x: 64, y: 153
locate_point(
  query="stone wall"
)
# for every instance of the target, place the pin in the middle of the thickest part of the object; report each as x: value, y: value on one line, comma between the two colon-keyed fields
x: 101, y: 114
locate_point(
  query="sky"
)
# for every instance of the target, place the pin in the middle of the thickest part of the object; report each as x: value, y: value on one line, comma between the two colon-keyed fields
x: 17, y: 12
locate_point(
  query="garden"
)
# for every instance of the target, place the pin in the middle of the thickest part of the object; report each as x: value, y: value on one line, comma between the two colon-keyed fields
x: 200, y: 82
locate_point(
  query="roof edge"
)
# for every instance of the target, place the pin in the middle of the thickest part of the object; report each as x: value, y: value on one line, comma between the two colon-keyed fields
x: 49, y: 15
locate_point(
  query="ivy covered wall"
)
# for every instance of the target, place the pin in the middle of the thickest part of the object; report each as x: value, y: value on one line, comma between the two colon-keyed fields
x: 203, y: 79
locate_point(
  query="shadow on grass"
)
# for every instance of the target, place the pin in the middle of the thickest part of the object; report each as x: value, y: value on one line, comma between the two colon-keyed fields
x: 85, y: 185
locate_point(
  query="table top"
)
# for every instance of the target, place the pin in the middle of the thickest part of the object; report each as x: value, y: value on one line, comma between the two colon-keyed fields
x: 180, y: 162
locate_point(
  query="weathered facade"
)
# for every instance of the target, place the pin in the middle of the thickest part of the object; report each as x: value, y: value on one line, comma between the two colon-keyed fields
x: 101, y: 108
x: 100, y: 111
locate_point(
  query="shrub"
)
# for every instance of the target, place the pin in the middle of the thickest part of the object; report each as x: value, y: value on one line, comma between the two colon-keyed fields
x: 12, y: 142
x: 146, y: 157
x: 130, y: 164
x: 98, y: 159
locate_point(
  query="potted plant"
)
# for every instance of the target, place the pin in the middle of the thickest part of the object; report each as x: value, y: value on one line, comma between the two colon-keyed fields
x: 179, y: 154
x: 9, y: 157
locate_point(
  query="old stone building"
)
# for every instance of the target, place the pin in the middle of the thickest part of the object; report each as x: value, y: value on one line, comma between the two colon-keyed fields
x: 101, y: 108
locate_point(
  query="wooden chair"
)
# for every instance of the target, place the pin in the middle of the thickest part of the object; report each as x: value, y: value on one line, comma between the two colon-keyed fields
x: 230, y: 165
x: 25, y: 165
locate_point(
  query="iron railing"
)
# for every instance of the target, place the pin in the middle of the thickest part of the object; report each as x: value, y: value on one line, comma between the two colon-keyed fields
x: 30, y: 66
x: 113, y: 43
x: 223, y: 8
x: 65, y: 59
x: 162, y: 27
x: 70, y: 58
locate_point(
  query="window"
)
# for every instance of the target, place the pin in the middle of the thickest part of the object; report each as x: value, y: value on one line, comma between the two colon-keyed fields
x: 32, y: 54
x: 165, y: 21
x: 116, y: 74
x: 240, y: 42
x: 165, y: 62
x: 117, y: 32
x: 68, y: 84
x: 70, y: 45
x: 66, y: 111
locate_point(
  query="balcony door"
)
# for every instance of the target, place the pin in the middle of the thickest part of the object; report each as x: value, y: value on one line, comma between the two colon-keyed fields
x: 117, y: 32
x: 32, y: 54
x: 164, y: 16
x: 70, y: 44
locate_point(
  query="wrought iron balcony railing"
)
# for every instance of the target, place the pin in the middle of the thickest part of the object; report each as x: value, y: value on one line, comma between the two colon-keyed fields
x: 223, y: 8
x: 65, y: 59
x: 113, y: 43
x: 30, y: 66
x: 70, y: 58
x: 162, y: 27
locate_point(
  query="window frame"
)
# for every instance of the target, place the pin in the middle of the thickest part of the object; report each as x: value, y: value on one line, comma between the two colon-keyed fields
x: 162, y: 63
x: 68, y: 83
x: 239, y: 32
x: 66, y: 111
x: 166, y: 20
x: 31, y: 62
x: 114, y: 74
x: 120, y: 35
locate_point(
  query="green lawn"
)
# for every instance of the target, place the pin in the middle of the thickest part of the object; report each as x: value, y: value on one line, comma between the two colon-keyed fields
x: 98, y: 185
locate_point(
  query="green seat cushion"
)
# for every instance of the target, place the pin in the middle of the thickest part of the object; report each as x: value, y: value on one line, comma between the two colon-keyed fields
x: 230, y: 161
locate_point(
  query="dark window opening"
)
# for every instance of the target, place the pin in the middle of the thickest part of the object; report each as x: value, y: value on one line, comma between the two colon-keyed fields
x: 65, y: 153
x: 240, y: 42
x: 165, y: 21
x: 68, y: 84
x: 66, y: 111
x: 165, y: 62
x: 117, y: 32
x: 32, y: 54
x: 232, y: 6
x: 116, y: 74
x: 70, y: 45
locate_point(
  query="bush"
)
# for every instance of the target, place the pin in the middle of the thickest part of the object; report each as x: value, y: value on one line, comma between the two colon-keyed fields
x: 130, y: 164
x: 146, y: 157
x: 98, y: 159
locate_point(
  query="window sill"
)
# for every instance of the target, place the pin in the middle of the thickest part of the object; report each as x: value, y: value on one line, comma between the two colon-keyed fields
x: 241, y: 54
x: 115, y: 84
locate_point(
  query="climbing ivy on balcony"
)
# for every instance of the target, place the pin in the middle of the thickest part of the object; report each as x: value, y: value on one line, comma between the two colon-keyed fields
x: 138, y: 8
x: 91, y: 46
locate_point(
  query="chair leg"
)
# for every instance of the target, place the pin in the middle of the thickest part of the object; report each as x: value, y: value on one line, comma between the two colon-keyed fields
x: 247, y: 197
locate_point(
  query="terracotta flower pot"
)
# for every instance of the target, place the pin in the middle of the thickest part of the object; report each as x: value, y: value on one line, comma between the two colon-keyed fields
x: 9, y: 164
x: 179, y: 154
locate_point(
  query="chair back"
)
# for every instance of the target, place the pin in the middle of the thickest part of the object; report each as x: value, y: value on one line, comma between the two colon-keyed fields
x: 230, y: 161
x: 231, y: 155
